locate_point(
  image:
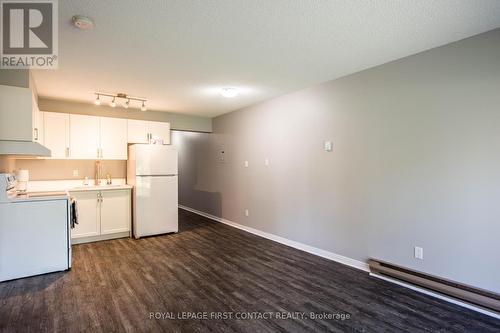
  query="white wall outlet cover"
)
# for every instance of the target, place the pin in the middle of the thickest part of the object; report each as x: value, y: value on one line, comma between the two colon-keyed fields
x: 266, y: 162
x: 246, y: 164
x: 419, y: 253
x: 328, y: 146
x: 247, y: 212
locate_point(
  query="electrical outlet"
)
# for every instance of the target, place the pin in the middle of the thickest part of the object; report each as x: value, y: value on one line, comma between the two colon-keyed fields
x: 75, y: 173
x: 247, y: 212
x: 419, y: 253
x: 246, y: 164
x: 266, y: 162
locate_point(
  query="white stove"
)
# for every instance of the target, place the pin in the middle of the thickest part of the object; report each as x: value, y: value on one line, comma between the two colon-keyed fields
x: 9, y: 192
x: 34, y: 231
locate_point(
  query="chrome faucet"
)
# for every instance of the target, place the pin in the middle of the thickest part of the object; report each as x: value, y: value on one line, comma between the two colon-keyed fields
x: 97, y: 178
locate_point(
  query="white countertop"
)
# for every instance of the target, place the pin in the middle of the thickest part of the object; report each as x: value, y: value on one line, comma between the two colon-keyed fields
x: 38, y: 196
x: 99, y: 188
x: 72, y: 185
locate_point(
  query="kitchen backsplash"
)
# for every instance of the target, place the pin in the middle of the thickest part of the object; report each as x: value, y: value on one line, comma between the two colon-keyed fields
x: 7, y: 164
x: 64, y: 169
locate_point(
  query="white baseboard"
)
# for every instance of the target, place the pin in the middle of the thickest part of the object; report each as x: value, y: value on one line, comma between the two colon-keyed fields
x: 438, y: 295
x: 338, y: 258
x: 307, y: 248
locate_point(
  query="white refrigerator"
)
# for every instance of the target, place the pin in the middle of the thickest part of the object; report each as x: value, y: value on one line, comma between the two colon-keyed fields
x: 152, y: 170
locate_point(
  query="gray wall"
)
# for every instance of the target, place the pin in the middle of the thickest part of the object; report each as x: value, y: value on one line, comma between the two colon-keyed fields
x: 416, y: 161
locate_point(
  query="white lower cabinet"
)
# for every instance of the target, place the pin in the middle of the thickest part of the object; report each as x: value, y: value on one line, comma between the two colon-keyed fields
x: 104, y: 214
x: 88, y: 214
x: 115, y: 211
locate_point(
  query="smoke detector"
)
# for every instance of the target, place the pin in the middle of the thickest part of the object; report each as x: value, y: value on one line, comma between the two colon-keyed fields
x: 82, y: 22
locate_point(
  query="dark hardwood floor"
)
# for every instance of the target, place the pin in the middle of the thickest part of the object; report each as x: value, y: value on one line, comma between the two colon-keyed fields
x: 116, y: 286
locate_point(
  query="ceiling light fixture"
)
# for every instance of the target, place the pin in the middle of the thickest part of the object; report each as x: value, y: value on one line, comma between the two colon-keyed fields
x: 114, y: 98
x: 229, y: 92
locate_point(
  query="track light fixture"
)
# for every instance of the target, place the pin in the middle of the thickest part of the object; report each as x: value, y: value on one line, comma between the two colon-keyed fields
x: 113, y: 101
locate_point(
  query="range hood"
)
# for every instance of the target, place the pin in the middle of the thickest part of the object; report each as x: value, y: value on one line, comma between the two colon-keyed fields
x: 23, y: 148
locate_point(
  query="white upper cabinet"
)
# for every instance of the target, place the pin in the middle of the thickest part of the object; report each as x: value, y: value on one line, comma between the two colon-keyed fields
x: 141, y: 131
x: 56, y: 134
x: 97, y: 137
x: 84, y: 137
x: 113, y: 138
x: 16, y: 114
x: 138, y: 131
x: 37, y: 121
x: 160, y: 131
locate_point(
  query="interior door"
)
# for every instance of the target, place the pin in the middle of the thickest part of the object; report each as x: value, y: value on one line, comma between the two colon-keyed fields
x: 84, y: 136
x: 137, y: 131
x: 160, y: 131
x: 113, y: 134
x: 155, y: 205
x: 88, y: 214
x: 56, y: 133
x: 115, y: 211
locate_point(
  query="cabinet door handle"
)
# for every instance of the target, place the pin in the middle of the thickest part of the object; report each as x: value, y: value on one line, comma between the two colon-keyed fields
x: 98, y: 155
x: 36, y: 134
x: 67, y: 151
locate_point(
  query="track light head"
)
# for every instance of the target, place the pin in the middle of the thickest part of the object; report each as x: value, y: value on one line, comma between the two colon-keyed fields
x: 127, y: 104
x: 112, y: 103
x: 143, y: 106
x: 97, y: 100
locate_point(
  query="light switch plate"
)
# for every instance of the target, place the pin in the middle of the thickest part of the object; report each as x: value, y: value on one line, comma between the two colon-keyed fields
x: 266, y: 162
x: 246, y: 164
x: 222, y: 154
x: 419, y: 253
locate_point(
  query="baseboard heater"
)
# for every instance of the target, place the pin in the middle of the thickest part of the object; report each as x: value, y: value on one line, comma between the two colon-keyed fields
x: 480, y: 297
